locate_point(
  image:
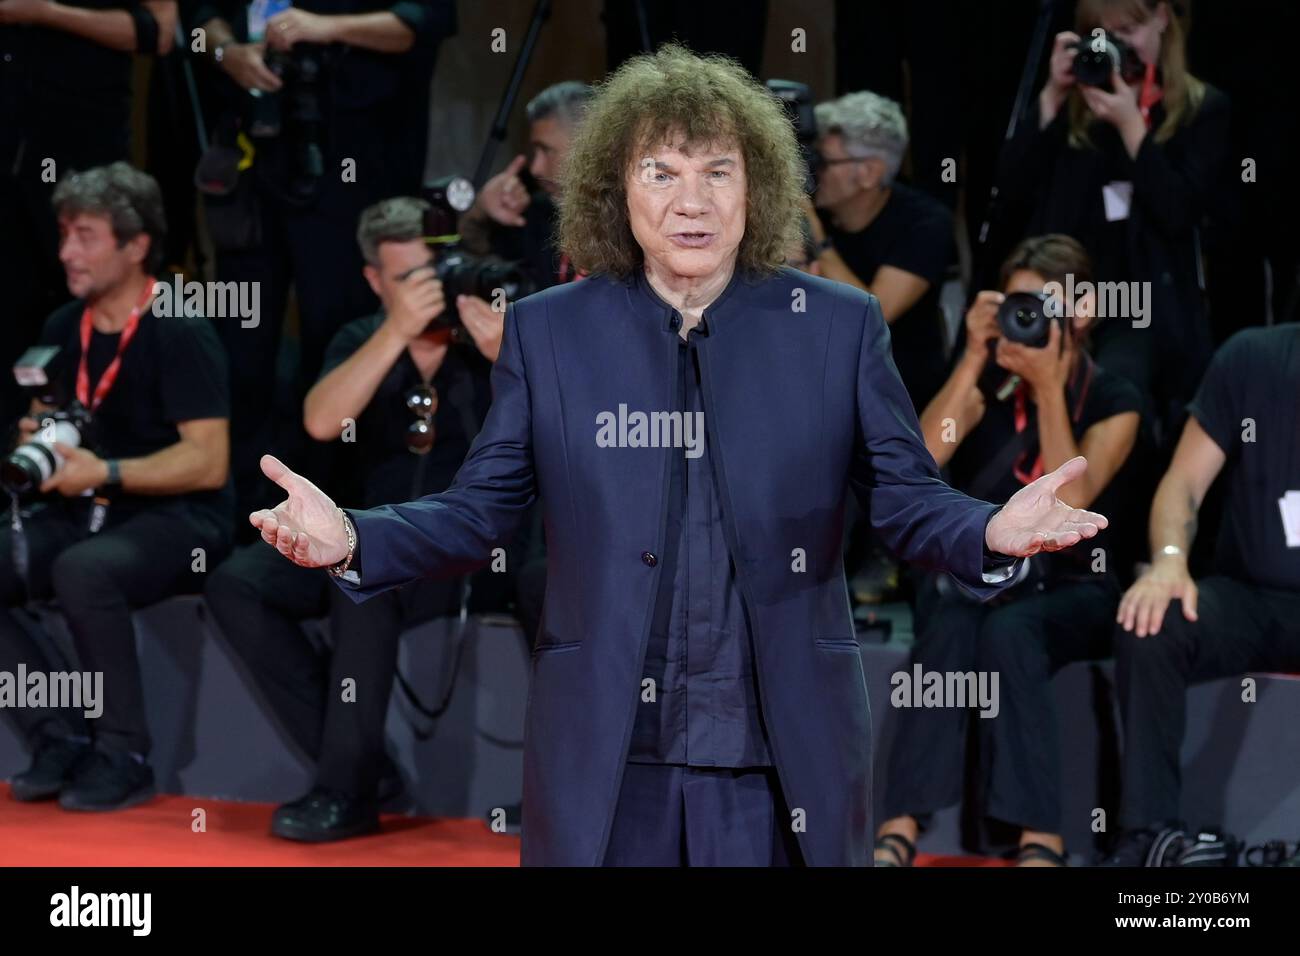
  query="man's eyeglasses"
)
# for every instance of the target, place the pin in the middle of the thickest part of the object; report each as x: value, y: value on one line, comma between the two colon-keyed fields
x: 423, y: 404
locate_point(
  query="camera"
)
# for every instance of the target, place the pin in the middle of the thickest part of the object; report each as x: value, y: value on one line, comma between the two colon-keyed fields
x: 294, y: 112
x: 460, y: 272
x: 29, y: 465
x: 1093, y: 67
x: 798, y: 101
x: 1025, y: 317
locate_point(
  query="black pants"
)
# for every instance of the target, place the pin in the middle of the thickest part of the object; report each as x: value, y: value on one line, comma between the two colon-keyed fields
x: 134, y: 561
x: 259, y: 598
x: 1239, y: 628
x: 1025, y: 641
x: 671, y: 815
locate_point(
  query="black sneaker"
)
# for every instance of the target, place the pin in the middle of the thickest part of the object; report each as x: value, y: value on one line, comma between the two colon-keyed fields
x: 108, y: 780
x: 1145, y: 847
x: 52, y: 766
x: 325, y: 815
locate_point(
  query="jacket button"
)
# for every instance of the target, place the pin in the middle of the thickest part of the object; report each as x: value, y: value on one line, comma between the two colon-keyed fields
x: 674, y: 323
x: 649, y: 559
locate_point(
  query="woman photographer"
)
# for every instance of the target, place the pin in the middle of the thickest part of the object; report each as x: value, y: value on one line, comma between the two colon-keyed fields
x: 1130, y: 171
x: 1009, y: 413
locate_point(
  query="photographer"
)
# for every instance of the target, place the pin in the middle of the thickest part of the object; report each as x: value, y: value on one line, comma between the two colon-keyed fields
x: 1130, y: 172
x: 411, y: 400
x: 514, y: 214
x: 882, y: 235
x: 65, y: 104
x: 128, y: 512
x: 334, y: 102
x: 1062, y: 405
x: 1173, y: 630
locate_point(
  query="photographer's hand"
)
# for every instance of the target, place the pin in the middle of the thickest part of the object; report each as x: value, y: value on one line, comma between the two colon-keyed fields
x: 484, y: 324
x: 1144, y: 605
x: 1046, y: 369
x: 298, y: 26
x: 419, y: 300
x: 982, y: 325
x: 244, y: 64
x: 82, y: 470
x: 1120, y: 109
x: 503, y: 198
x: 1060, y: 78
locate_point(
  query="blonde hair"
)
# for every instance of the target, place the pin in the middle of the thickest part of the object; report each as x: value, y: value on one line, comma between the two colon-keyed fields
x: 1183, y: 93
x: 711, y: 100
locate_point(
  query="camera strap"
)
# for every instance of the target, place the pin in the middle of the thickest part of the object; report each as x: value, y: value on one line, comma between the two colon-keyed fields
x: 106, y: 380
x: 18, y: 540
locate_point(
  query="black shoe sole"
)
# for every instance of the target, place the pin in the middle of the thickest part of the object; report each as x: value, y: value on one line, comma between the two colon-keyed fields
x: 299, y: 834
x: 68, y: 801
x: 28, y: 794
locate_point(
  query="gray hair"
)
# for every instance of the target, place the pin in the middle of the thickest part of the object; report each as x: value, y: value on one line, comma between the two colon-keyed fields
x: 872, y: 126
x: 128, y: 197
x: 565, y: 101
x: 399, y: 219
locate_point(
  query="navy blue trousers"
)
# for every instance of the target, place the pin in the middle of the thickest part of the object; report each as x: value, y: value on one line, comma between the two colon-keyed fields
x: 671, y: 815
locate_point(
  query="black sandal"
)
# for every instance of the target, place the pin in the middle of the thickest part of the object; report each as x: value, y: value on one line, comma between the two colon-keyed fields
x: 1036, y: 851
x: 903, y: 849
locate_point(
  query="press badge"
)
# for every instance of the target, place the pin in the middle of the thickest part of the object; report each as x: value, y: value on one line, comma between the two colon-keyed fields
x: 1289, y: 504
x: 1117, y: 197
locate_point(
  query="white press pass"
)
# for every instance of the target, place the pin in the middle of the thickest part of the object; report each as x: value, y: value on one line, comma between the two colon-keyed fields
x: 1289, y: 504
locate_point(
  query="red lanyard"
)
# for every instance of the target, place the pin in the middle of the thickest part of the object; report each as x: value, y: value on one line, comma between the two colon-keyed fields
x: 1150, y: 94
x: 109, y: 376
x: 1022, y: 422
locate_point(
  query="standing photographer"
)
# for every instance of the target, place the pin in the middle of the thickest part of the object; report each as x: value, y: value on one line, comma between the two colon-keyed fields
x: 128, y: 511
x: 65, y: 105
x: 997, y: 440
x: 334, y: 101
x: 411, y: 400
x: 1130, y: 171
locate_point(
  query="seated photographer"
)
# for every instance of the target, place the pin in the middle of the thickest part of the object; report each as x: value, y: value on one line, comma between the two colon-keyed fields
x: 1173, y: 630
x: 1127, y: 161
x: 514, y: 214
x: 408, y: 400
x: 1012, y: 411
x: 129, y: 447
x: 881, y: 235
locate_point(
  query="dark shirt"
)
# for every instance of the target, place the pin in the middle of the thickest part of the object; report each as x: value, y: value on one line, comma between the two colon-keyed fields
x: 706, y: 710
x: 391, y: 472
x: 63, y: 96
x: 1249, y: 404
x: 1090, y: 399
x: 913, y: 232
x: 532, y: 244
x: 174, y: 370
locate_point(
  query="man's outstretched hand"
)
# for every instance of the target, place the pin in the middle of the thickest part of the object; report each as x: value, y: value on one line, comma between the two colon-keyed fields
x: 1036, y: 520
x: 306, y: 527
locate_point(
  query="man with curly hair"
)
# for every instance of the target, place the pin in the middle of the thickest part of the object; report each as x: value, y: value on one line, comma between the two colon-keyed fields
x: 692, y: 417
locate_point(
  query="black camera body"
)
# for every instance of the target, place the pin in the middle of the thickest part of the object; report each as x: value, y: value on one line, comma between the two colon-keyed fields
x: 459, y: 271
x: 295, y: 112
x: 1093, y: 66
x: 69, y: 422
x: 798, y: 101
x: 1026, y: 318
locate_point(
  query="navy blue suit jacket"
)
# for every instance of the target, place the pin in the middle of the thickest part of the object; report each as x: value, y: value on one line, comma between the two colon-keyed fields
x: 802, y: 406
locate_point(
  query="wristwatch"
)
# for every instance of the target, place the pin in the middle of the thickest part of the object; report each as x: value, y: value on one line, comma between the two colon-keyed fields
x: 338, y: 570
x: 114, y: 479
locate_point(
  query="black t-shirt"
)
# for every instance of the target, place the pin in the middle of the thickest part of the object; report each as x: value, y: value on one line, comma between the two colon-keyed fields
x: 1091, y: 398
x: 1249, y: 404
x: 913, y: 232
x: 390, y: 471
x: 173, y: 370
x: 66, y: 96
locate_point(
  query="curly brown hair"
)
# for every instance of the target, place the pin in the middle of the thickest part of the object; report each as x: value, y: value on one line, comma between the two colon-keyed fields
x: 712, y: 101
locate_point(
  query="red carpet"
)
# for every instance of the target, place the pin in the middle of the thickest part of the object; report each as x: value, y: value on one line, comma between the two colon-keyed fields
x: 160, y: 833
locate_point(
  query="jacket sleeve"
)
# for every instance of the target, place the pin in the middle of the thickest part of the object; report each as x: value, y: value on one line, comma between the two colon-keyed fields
x: 1175, y: 192
x: 454, y: 532
x: 895, y: 478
